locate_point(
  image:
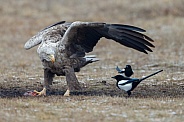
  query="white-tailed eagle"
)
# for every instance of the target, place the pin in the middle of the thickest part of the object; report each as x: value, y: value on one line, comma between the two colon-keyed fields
x: 63, y: 47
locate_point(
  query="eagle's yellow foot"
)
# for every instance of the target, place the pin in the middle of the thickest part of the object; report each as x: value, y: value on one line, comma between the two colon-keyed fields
x: 41, y: 93
x: 36, y: 93
x: 67, y: 93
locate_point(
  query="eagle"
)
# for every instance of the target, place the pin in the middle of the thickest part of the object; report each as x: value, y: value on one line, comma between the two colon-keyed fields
x: 63, y: 47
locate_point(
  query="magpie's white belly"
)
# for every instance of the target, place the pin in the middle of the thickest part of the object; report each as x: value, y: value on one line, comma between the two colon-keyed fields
x: 125, y: 87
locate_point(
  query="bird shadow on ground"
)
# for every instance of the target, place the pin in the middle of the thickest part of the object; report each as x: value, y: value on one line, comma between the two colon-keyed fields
x: 142, y: 91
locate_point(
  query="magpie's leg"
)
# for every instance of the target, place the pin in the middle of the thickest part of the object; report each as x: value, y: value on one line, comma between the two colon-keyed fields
x: 129, y: 93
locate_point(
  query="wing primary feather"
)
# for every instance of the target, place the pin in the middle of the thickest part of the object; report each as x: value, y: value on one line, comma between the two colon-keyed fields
x: 141, y: 40
x: 58, y: 23
x: 114, y: 32
x: 134, y: 40
x: 140, y: 35
x: 138, y: 44
x: 128, y: 27
x: 130, y: 45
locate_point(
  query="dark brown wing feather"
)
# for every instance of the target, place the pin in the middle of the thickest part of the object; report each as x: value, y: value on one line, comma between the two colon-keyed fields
x: 58, y: 23
x: 87, y: 35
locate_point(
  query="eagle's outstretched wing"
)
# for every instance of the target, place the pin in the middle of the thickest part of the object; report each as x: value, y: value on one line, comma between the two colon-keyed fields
x: 87, y: 34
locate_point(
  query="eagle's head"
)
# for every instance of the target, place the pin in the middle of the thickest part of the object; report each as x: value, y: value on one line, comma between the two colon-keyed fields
x: 46, y: 52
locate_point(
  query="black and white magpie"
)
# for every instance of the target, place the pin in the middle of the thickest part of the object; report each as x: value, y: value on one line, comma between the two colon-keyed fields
x: 127, y: 70
x: 128, y: 84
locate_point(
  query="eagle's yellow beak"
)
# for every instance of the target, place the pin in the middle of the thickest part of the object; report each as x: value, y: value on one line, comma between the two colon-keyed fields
x: 52, y: 58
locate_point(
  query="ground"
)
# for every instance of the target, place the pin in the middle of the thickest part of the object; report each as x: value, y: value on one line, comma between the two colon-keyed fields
x: 159, y: 98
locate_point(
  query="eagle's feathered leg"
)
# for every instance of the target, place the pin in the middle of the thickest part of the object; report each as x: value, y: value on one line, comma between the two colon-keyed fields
x: 71, y: 79
x: 48, y: 78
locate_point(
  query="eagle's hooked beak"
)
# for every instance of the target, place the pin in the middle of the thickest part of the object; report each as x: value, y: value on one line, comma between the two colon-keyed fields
x: 52, y: 58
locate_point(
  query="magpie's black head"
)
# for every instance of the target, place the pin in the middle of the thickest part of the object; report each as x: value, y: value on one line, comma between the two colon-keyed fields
x: 128, y: 67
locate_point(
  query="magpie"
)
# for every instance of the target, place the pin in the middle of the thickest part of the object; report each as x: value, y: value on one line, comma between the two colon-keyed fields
x: 127, y: 70
x: 128, y: 84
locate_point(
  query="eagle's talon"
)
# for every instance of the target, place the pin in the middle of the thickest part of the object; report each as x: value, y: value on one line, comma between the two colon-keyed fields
x: 36, y: 93
x: 67, y: 93
x: 41, y: 93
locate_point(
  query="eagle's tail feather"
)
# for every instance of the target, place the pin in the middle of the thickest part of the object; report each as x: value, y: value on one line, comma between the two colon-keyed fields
x: 91, y: 58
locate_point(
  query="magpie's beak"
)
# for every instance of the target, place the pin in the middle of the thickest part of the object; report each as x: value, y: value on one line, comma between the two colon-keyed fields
x: 113, y: 77
x: 52, y: 58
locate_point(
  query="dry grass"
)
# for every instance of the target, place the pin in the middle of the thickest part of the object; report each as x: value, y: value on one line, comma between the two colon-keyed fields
x: 88, y: 108
x: 159, y: 98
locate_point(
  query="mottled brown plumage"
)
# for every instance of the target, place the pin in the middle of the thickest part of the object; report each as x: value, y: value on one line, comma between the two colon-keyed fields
x: 63, y: 46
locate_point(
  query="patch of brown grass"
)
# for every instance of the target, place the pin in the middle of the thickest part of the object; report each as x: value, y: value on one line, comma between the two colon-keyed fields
x: 99, y: 108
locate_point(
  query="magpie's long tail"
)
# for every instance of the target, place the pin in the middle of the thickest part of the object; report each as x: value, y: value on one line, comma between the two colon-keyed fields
x: 150, y: 75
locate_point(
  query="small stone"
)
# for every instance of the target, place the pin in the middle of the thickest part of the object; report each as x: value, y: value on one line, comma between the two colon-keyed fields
x: 104, y: 82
